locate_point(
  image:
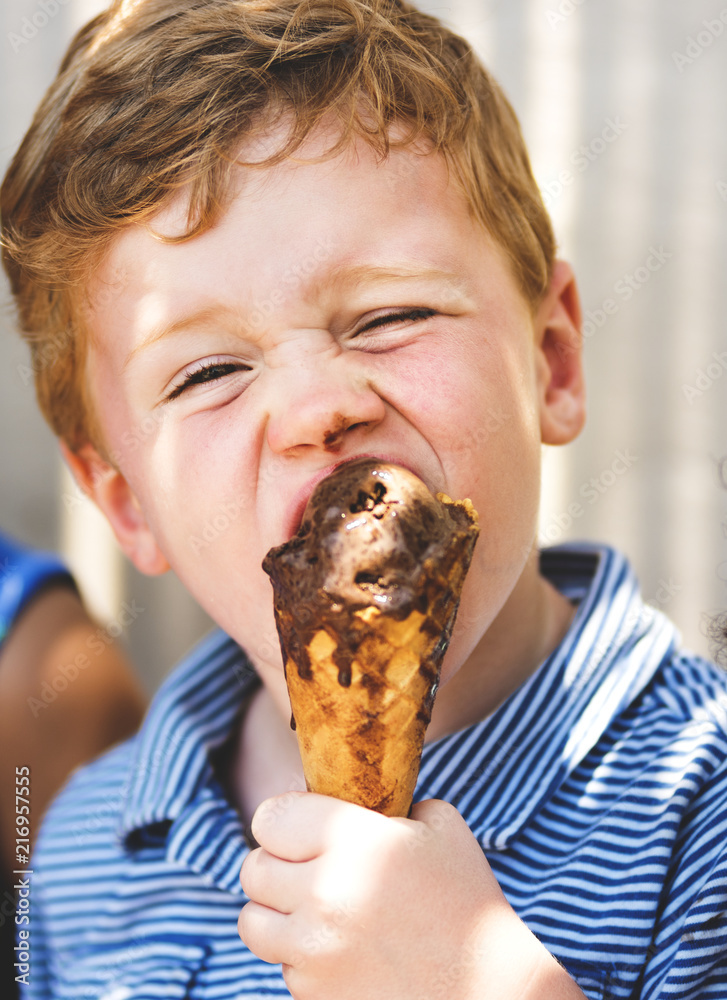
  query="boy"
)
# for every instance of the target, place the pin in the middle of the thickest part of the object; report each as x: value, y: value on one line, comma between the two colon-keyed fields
x: 285, y: 235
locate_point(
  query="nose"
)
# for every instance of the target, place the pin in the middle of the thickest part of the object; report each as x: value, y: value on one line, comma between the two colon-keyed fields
x: 318, y: 404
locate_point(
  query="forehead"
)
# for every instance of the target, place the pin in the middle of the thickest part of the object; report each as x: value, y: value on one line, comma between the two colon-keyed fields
x: 291, y: 230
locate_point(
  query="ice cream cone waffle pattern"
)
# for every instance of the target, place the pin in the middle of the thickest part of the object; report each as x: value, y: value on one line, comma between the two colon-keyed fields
x: 365, y: 597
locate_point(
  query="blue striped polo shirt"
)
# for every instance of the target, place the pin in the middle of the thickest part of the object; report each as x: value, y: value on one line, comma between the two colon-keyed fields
x: 598, y: 792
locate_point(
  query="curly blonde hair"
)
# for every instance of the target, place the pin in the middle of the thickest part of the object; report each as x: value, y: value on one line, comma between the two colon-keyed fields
x: 155, y: 95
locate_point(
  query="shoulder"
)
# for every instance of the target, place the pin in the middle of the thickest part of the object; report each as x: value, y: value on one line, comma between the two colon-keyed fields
x: 690, y: 936
x: 136, y: 867
x: 678, y: 720
x: 89, y: 807
x: 663, y: 754
x: 87, y: 810
x: 692, y: 691
x: 670, y: 743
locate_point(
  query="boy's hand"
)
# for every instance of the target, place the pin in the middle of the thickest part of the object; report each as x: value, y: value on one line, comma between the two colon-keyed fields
x: 361, y: 906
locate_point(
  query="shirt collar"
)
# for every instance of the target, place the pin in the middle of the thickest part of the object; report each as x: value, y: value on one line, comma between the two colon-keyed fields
x: 501, y: 771
x: 192, y: 713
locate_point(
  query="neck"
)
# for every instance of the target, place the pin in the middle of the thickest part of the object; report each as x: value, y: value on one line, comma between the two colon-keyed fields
x: 529, y: 627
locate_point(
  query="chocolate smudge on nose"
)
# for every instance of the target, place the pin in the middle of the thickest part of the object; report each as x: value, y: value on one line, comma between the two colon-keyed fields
x: 332, y: 438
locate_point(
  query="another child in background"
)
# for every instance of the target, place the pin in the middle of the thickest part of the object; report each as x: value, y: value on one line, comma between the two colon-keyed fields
x: 67, y: 692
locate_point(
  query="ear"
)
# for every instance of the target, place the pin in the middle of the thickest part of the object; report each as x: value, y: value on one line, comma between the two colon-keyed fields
x: 559, y: 347
x: 111, y: 493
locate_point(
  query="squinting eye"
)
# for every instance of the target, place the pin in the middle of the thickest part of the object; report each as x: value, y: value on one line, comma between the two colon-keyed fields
x: 410, y: 314
x: 207, y: 373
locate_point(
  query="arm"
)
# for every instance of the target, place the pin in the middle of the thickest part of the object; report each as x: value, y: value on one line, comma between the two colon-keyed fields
x: 64, y: 697
x: 687, y: 959
x: 358, y: 905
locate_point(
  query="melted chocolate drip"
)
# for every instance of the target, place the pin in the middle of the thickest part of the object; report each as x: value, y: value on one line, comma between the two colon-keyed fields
x: 372, y: 535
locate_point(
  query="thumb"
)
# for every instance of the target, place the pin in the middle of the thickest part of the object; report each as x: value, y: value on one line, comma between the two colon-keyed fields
x: 436, y: 814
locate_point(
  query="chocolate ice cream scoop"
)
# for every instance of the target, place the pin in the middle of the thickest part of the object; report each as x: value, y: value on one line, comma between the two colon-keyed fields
x: 365, y: 597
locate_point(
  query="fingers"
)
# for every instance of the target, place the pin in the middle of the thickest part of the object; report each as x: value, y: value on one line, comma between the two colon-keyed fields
x: 274, y: 883
x: 279, y: 826
x: 298, y: 826
x: 265, y: 932
x: 436, y: 813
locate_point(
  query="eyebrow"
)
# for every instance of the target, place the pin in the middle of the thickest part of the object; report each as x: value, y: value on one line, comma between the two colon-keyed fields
x: 364, y: 273
x: 338, y: 279
x: 205, y: 316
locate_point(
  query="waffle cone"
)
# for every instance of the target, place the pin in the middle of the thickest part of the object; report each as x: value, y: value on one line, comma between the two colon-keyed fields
x: 363, y: 742
x: 362, y: 677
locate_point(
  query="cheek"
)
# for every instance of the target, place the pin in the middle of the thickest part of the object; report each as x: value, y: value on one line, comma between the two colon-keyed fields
x: 433, y: 378
x: 477, y: 408
x: 196, y: 487
x: 474, y: 404
x: 420, y: 386
x: 202, y: 510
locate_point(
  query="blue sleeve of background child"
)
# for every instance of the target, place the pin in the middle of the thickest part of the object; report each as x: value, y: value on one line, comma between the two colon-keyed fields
x: 23, y: 572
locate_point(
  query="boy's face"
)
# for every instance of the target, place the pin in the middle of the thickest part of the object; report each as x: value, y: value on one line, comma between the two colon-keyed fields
x: 338, y: 309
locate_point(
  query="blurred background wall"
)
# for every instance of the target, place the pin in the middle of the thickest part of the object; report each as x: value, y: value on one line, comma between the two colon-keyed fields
x: 623, y: 108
